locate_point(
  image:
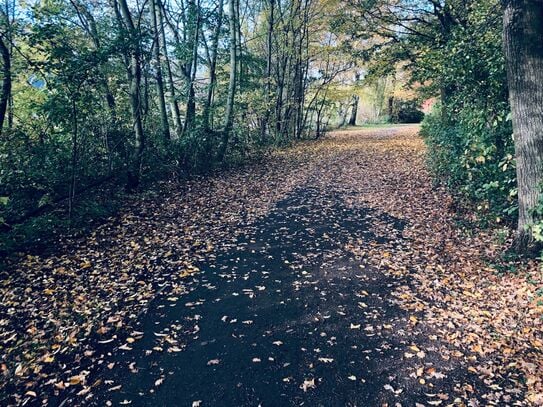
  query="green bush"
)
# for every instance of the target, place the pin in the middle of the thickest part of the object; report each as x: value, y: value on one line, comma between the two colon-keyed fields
x: 406, y: 111
x: 474, y: 160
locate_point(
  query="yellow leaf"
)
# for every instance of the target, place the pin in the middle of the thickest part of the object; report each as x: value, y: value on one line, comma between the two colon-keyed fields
x: 75, y: 380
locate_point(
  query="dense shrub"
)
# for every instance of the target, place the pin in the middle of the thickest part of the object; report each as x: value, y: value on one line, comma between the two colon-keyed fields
x: 407, y: 111
x: 469, y: 136
x: 474, y: 160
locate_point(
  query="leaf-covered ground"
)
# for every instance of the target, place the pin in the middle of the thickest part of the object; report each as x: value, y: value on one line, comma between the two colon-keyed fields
x: 332, y: 274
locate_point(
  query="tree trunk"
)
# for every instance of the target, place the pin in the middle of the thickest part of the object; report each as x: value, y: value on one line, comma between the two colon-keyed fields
x: 89, y: 22
x: 239, y: 49
x: 6, y: 82
x: 134, y: 79
x: 213, y: 69
x: 158, y: 67
x: 354, y: 110
x: 390, y: 108
x: 174, y: 105
x: 229, y: 115
x: 75, y: 133
x: 523, y: 45
x: 269, y: 50
x: 190, y: 115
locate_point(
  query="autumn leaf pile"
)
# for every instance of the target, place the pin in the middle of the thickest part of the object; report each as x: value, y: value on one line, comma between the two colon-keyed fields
x: 60, y: 314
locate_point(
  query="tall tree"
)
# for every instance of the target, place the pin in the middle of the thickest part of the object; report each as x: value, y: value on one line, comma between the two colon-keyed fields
x: 193, y: 28
x: 5, y: 54
x: 172, y: 92
x: 155, y: 10
x: 134, y: 75
x: 354, y: 104
x: 229, y: 115
x: 212, y: 56
x: 269, y: 61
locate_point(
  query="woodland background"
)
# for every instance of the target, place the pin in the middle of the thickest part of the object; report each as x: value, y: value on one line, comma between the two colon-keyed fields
x: 102, y: 97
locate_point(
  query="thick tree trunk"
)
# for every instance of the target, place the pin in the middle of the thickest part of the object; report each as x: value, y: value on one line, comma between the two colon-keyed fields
x: 390, y: 107
x: 354, y: 110
x: 6, y: 81
x: 158, y: 68
x: 523, y: 44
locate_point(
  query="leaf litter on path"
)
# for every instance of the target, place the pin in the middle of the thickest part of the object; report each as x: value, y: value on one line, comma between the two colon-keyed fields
x: 62, y: 313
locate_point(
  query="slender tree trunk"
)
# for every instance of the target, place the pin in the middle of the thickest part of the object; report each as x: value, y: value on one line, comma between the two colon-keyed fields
x: 190, y: 115
x: 213, y: 68
x: 75, y: 133
x: 523, y: 44
x: 391, y: 99
x: 239, y: 49
x: 174, y: 104
x: 88, y: 21
x: 158, y: 68
x: 6, y: 82
x: 303, y: 50
x: 134, y: 79
x: 269, y: 56
x: 299, y: 89
x: 280, y: 94
x: 229, y: 115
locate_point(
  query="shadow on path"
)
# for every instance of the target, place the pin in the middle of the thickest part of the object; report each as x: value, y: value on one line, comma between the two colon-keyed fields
x: 287, y: 317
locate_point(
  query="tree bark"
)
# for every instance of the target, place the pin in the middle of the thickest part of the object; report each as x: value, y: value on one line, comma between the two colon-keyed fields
x: 174, y: 104
x: 134, y: 79
x: 213, y: 69
x: 229, y: 115
x: 158, y: 67
x: 190, y: 116
x: 390, y: 107
x: 523, y: 45
x: 269, y: 56
x: 6, y: 82
x: 354, y: 110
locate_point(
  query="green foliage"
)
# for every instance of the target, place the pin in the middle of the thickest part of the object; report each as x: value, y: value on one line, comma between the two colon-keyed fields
x: 469, y: 135
x: 88, y: 97
x: 465, y: 156
x: 453, y: 51
x: 536, y: 229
